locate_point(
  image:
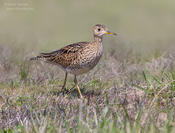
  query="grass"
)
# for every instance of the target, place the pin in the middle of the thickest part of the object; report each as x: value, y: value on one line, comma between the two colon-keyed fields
x: 136, y: 100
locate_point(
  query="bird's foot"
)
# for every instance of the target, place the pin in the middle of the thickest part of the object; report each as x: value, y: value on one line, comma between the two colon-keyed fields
x: 63, y: 91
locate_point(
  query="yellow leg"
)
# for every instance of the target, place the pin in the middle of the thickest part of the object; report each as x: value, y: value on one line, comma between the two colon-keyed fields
x: 76, y: 85
x: 65, y: 79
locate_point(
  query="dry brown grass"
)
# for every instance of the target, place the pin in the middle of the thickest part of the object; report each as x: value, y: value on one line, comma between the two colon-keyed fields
x: 123, y: 88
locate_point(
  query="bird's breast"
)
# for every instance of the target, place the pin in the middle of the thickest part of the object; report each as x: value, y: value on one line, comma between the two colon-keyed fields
x: 86, y: 60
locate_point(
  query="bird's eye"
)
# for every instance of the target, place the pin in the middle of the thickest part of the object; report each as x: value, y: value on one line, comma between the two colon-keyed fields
x: 99, y: 29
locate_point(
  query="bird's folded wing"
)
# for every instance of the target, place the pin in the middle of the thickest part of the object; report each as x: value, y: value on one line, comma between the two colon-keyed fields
x: 64, y: 56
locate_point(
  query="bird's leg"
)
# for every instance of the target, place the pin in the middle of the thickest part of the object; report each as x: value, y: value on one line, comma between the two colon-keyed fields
x: 76, y: 85
x: 65, y: 79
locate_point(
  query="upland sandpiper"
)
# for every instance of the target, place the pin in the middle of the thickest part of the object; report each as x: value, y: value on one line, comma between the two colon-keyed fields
x: 78, y: 58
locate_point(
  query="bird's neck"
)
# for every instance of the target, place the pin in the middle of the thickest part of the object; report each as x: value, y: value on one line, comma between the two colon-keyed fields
x: 98, y: 39
x: 98, y: 43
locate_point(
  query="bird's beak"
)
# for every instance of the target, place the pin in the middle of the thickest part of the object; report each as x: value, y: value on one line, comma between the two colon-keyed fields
x: 111, y: 33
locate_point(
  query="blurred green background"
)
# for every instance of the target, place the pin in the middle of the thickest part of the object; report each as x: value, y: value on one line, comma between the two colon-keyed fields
x: 45, y: 25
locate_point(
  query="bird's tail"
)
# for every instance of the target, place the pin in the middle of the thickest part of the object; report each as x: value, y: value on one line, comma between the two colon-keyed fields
x: 36, y: 58
x: 44, y: 56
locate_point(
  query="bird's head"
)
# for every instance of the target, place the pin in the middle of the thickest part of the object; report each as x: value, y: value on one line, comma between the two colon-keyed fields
x: 100, y: 30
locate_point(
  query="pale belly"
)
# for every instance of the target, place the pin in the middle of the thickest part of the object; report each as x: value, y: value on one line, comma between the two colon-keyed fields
x: 84, y: 67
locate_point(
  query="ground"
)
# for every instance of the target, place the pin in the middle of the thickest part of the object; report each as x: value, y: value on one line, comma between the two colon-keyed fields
x: 124, y: 93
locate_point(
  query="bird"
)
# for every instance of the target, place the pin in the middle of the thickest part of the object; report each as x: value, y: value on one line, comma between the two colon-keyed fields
x: 78, y: 58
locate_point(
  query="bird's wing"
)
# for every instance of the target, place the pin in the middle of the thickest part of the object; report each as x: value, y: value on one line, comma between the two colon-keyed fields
x: 64, y: 56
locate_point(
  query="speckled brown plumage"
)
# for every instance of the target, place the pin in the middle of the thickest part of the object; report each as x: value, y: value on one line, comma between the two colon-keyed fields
x: 78, y: 58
